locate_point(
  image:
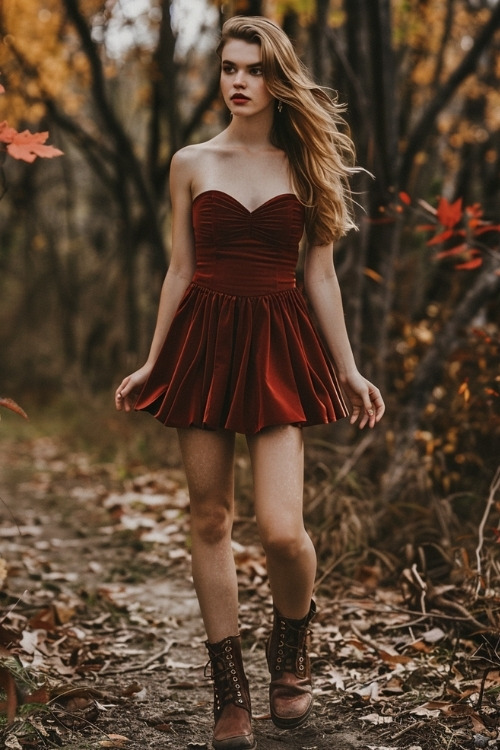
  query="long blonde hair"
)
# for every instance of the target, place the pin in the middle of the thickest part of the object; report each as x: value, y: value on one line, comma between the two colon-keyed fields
x: 308, y: 127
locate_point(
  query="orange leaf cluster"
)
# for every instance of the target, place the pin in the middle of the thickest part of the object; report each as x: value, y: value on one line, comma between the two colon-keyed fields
x: 25, y: 146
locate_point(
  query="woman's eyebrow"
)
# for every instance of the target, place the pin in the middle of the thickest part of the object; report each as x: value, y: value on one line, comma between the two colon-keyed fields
x: 251, y: 65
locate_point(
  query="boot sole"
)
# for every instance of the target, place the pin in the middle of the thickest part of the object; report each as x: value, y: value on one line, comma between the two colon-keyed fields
x: 291, y: 723
x: 236, y: 743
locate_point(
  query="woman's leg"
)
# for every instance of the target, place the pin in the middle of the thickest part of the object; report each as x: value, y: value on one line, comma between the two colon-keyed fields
x: 278, y: 464
x: 208, y: 458
x: 208, y: 462
x: 277, y: 456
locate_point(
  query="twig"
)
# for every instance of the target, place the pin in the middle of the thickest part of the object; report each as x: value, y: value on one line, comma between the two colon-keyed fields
x: 6, y: 506
x: 352, y: 460
x: 12, y: 608
x: 411, y: 727
x: 481, y: 690
x: 421, y: 584
x: 495, y: 485
x: 140, y: 667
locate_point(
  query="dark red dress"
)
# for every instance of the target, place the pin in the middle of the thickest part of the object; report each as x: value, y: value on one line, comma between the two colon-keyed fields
x: 242, y: 353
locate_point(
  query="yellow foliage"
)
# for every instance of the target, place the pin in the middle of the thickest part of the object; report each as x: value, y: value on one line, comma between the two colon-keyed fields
x: 40, y: 57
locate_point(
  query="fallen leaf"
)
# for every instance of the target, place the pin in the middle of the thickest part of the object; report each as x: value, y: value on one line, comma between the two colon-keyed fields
x: 377, y: 719
x: 114, y: 740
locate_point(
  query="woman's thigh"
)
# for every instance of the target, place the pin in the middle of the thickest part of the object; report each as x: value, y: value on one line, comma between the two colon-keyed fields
x: 277, y: 456
x: 208, y: 458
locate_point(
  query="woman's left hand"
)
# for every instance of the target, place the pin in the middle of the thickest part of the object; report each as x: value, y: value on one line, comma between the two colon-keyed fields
x: 367, y: 403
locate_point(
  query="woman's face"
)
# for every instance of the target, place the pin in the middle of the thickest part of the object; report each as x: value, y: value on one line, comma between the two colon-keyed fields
x: 242, y: 82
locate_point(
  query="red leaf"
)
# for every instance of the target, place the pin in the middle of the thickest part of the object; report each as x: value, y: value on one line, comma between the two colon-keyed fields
x: 41, y: 695
x: 489, y: 228
x: 441, y: 237
x: 8, y: 403
x: 475, y: 210
x: 449, y: 214
x: 27, y: 146
x: 404, y: 198
x: 474, y: 263
x: 454, y: 251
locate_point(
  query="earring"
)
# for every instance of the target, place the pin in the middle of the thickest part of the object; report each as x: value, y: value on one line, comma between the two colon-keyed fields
x: 280, y: 105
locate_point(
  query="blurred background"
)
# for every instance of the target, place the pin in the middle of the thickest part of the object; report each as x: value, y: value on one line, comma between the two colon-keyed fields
x: 84, y: 238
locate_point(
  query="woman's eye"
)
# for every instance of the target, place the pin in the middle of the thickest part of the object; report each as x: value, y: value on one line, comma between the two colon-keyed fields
x: 256, y: 71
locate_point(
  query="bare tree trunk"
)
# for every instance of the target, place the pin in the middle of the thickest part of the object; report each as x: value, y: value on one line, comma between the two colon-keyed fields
x: 319, y: 40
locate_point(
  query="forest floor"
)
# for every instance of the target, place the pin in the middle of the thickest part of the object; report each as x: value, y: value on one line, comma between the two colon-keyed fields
x: 100, y: 628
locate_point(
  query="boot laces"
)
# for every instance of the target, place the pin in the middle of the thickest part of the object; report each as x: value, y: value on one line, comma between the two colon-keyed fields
x: 221, y: 668
x: 291, y: 651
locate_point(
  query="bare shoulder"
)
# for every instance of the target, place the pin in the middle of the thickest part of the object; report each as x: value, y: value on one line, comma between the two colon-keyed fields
x: 189, y: 156
x: 190, y: 162
x: 184, y: 160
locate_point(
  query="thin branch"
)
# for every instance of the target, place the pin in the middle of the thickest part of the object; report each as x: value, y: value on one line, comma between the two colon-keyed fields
x: 143, y: 665
x: 494, y: 487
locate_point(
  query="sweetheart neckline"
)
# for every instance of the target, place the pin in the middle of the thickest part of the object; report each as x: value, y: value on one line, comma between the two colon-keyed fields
x: 235, y: 200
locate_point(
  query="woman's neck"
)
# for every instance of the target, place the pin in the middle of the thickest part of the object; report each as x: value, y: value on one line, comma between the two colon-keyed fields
x: 250, y: 133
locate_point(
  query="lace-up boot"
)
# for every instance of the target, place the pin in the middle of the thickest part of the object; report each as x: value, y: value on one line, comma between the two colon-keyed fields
x: 290, y: 691
x: 232, y: 708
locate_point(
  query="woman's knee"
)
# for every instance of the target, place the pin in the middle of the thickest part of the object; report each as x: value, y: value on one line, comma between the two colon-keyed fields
x: 211, y: 523
x: 284, y: 544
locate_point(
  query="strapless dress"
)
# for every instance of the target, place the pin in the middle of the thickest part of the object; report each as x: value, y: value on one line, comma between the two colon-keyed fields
x: 242, y: 352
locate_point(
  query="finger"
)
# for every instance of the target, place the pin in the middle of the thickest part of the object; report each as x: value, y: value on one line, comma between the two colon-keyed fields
x: 379, y: 406
x: 365, y: 419
x: 122, y: 393
x: 355, y: 414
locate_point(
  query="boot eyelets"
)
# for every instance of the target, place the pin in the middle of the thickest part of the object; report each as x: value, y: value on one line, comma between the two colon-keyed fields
x: 229, y: 682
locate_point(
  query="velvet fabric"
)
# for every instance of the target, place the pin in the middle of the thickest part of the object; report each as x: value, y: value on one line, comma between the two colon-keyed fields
x: 242, y: 353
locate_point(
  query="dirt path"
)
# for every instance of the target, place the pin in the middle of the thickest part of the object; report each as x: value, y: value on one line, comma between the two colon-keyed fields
x: 99, y: 596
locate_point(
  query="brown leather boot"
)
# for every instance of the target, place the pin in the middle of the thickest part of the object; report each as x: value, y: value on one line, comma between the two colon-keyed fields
x: 232, y: 708
x: 290, y: 691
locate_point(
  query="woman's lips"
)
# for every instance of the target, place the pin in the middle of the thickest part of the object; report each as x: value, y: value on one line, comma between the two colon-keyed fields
x: 239, y: 98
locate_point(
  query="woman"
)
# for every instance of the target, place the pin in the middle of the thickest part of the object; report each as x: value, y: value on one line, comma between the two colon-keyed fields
x: 234, y: 349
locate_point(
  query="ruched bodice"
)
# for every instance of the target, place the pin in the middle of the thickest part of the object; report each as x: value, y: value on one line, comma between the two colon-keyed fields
x: 242, y: 353
x: 246, y: 252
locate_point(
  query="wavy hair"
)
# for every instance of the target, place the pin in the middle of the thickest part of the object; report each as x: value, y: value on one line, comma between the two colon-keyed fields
x: 309, y: 129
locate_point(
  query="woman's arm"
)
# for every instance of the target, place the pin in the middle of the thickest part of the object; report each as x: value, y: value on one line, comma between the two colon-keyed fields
x: 179, y: 275
x: 323, y: 291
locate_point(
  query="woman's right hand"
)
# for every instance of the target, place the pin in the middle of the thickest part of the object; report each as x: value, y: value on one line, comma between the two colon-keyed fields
x: 129, y: 389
